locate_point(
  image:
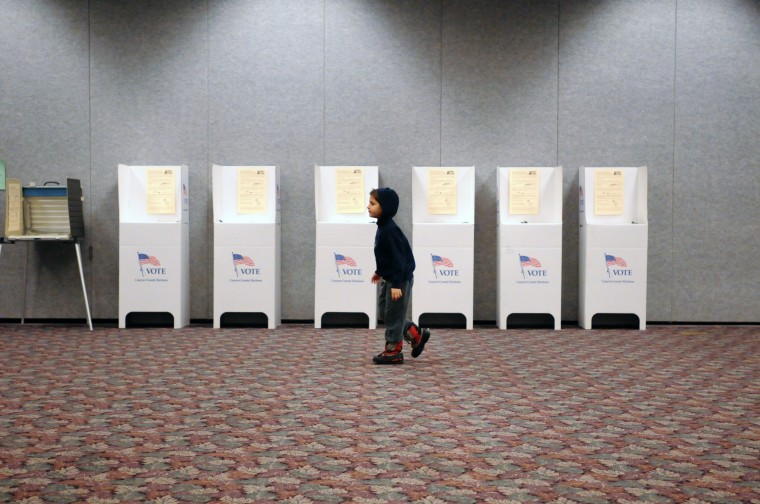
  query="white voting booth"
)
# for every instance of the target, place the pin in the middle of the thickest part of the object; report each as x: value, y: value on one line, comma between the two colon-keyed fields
x: 613, y: 243
x: 345, y: 257
x: 444, y: 239
x: 246, y: 241
x: 529, y: 239
x: 154, y: 236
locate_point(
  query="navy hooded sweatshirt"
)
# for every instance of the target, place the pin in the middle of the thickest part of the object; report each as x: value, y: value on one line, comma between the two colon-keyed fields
x: 393, y: 255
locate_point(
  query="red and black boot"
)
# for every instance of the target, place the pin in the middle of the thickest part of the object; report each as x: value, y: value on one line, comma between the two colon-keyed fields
x: 391, y: 355
x: 416, y: 337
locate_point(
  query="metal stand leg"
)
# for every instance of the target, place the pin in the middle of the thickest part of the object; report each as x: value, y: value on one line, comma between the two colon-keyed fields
x: 84, y: 288
x: 26, y: 266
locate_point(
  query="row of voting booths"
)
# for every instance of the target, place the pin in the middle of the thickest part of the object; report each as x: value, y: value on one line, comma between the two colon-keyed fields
x: 154, y: 242
x: 613, y: 243
x: 443, y: 209
x: 154, y: 231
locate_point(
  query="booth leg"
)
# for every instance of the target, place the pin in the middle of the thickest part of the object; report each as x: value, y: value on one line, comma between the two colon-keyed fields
x: 26, y: 267
x: 84, y: 287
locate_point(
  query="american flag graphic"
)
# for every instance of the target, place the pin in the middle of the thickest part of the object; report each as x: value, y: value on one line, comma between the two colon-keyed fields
x: 442, y: 261
x: 615, y: 261
x: 530, y: 261
x: 147, y: 259
x: 242, y: 260
x: 341, y: 259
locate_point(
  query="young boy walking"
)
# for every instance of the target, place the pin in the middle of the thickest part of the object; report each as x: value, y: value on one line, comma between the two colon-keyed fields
x: 395, y: 273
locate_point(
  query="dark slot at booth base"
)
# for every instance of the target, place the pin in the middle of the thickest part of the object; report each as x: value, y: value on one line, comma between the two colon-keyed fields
x: 615, y: 321
x: 443, y: 320
x: 244, y: 319
x: 149, y: 319
x: 530, y: 321
x: 345, y: 319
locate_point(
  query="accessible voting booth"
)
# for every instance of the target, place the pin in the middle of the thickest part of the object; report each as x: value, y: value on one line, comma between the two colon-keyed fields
x: 444, y: 238
x: 529, y: 239
x: 246, y: 242
x: 154, y: 236
x: 345, y: 258
x: 613, y: 243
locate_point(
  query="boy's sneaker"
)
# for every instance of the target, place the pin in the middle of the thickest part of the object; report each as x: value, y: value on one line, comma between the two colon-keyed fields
x: 391, y: 355
x: 416, y: 337
x: 419, y: 347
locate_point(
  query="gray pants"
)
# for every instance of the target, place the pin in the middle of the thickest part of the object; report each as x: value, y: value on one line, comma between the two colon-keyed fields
x: 394, y: 312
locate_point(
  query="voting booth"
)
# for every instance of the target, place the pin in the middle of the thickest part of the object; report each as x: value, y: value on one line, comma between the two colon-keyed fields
x: 613, y: 243
x: 443, y: 242
x: 246, y: 242
x: 529, y: 239
x: 46, y: 213
x: 345, y: 257
x: 154, y: 236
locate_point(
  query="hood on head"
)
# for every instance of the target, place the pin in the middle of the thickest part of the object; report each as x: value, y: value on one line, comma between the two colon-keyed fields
x: 388, y: 200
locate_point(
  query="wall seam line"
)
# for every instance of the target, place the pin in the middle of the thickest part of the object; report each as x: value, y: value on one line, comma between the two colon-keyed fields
x: 558, y: 81
x: 209, y: 208
x: 673, y: 173
x: 89, y: 255
x: 324, y: 82
x: 440, y: 112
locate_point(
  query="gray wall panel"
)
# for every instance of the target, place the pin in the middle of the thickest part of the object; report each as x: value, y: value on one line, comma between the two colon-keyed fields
x: 383, y: 90
x: 44, y: 136
x: 149, y: 107
x: 616, y: 109
x: 499, y: 107
x: 717, y: 165
x: 266, y: 99
x: 396, y: 83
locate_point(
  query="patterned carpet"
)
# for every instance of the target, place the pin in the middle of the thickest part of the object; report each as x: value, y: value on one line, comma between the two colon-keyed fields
x: 300, y: 415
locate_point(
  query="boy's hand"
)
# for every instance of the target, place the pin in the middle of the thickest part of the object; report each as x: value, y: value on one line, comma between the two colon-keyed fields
x: 376, y: 278
x: 396, y: 294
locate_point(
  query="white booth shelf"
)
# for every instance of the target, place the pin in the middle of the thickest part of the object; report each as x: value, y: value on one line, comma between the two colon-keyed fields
x: 247, y: 231
x: 529, y: 267
x: 154, y: 231
x: 443, y: 241
x: 345, y: 258
x: 613, y: 243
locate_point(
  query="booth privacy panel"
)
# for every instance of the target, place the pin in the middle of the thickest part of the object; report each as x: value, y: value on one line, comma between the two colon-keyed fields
x: 230, y: 183
x: 443, y: 194
x: 137, y: 189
